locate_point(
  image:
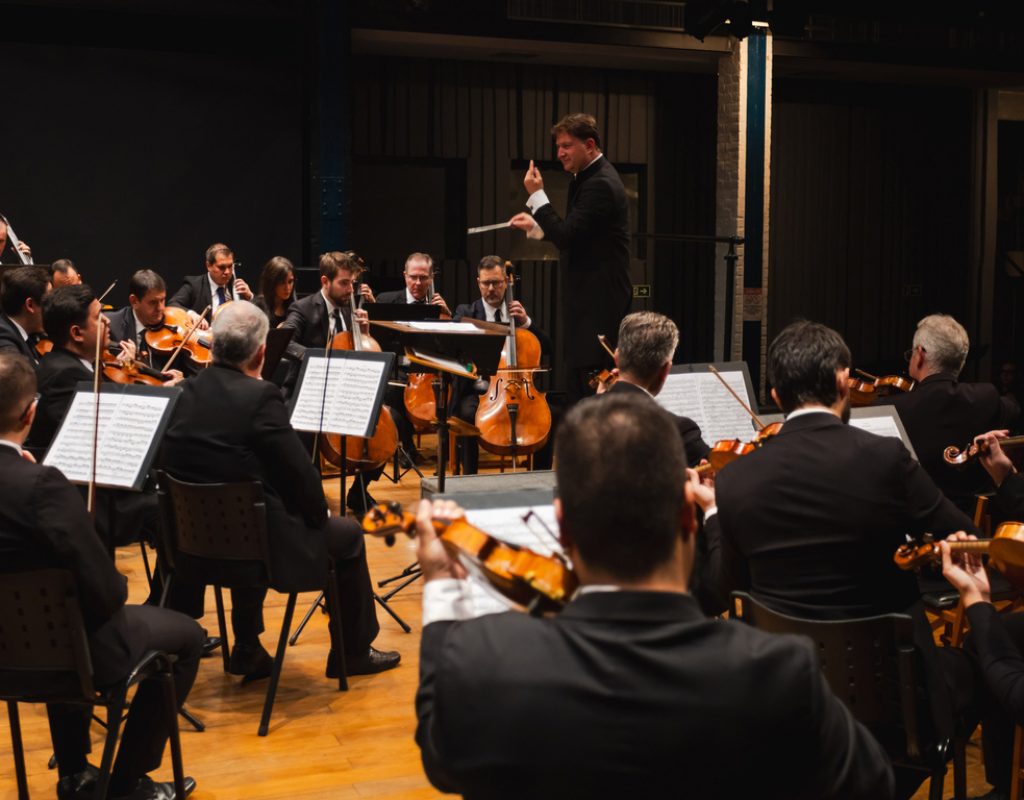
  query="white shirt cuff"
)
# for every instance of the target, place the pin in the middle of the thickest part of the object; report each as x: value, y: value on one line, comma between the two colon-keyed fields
x: 446, y: 600
x: 527, y: 324
x: 710, y: 513
x: 536, y: 200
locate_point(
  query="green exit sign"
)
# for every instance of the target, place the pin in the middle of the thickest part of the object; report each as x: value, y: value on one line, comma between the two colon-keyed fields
x: 641, y: 290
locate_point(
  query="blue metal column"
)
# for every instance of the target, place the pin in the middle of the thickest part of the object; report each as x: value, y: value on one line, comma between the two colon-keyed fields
x: 753, y: 210
x: 332, y: 177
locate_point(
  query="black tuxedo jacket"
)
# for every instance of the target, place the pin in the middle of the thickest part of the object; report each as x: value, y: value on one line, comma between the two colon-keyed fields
x: 627, y: 692
x: 11, y: 339
x: 809, y: 522
x: 476, y: 310
x: 309, y: 319
x: 396, y: 297
x: 123, y: 327
x: 60, y: 371
x: 44, y: 524
x: 593, y: 241
x: 195, y: 294
x: 942, y: 411
x: 230, y: 427
x: 696, y: 447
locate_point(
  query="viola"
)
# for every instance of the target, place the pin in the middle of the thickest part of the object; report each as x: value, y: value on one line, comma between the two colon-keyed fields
x: 1005, y: 552
x: 537, y: 582
x: 178, y: 332
x: 725, y: 451
x: 514, y: 417
x: 361, y: 453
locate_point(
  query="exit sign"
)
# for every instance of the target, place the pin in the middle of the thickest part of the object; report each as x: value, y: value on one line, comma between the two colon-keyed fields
x: 641, y: 290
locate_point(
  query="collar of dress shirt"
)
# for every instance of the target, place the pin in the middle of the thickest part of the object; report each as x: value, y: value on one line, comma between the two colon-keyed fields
x: 802, y: 412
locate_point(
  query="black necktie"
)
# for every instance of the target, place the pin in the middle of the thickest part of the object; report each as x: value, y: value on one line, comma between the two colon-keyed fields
x: 221, y: 297
x: 497, y: 315
x: 338, y: 324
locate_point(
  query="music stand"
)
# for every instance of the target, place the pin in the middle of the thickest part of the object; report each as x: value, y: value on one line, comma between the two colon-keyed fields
x: 465, y: 349
x: 277, y: 343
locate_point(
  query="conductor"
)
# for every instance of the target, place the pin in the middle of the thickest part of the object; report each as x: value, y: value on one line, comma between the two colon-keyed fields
x: 593, y: 241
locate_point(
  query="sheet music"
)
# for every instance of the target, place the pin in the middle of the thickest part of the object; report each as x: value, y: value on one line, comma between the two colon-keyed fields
x: 701, y: 397
x: 506, y: 524
x: 447, y: 364
x: 128, y: 425
x: 445, y: 327
x: 880, y: 426
x: 352, y: 388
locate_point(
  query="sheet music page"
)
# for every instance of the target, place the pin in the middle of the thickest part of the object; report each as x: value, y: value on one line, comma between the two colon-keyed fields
x: 447, y: 364
x: 880, y: 426
x: 128, y: 424
x: 701, y: 397
x: 352, y: 385
x: 507, y: 524
x: 445, y: 327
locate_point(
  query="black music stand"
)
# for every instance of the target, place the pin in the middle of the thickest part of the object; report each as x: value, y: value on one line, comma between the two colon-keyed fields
x: 277, y: 343
x: 458, y: 351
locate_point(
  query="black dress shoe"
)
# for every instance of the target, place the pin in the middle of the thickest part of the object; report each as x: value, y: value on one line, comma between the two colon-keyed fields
x: 211, y: 645
x: 374, y: 661
x: 250, y: 661
x: 79, y: 786
x: 148, y: 789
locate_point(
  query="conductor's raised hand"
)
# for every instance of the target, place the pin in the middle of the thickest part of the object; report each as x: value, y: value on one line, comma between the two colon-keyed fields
x: 532, y: 180
x: 431, y: 554
x: 523, y: 221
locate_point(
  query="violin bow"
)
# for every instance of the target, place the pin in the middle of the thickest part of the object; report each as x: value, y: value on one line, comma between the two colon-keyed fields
x: 604, y: 343
x: 103, y: 296
x: 729, y: 389
x: 867, y: 375
x: 90, y: 498
x: 184, y: 341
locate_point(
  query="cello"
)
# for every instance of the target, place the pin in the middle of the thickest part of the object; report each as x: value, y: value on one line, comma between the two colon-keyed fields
x: 419, y: 395
x: 514, y: 418
x: 361, y: 453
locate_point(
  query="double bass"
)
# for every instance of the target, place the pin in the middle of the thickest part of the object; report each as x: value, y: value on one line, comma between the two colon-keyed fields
x: 514, y: 418
x: 361, y: 453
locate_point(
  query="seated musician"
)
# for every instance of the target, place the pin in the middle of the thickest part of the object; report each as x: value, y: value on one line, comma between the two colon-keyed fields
x: 216, y: 286
x: 630, y: 689
x: 647, y: 342
x: 231, y: 426
x: 147, y: 296
x: 63, y: 273
x: 21, y: 300
x: 43, y: 523
x: 809, y: 522
x: 277, y: 290
x: 316, y: 319
x: 8, y: 256
x: 419, y: 282
x: 490, y: 307
x: 942, y: 410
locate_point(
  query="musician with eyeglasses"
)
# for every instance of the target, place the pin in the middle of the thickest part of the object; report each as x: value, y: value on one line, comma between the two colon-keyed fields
x: 211, y: 290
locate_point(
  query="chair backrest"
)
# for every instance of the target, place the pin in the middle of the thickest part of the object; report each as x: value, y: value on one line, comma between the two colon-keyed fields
x: 222, y: 521
x: 870, y: 664
x: 44, y: 649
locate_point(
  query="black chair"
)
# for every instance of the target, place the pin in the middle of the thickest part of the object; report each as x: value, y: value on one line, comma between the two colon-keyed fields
x: 44, y: 658
x: 216, y: 533
x: 871, y: 664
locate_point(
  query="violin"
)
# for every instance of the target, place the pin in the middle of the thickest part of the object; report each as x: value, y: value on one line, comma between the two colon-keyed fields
x: 957, y: 457
x: 361, y: 453
x: 1005, y: 552
x: 602, y: 381
x: 514, y: 417
x: 129, y: 372
x: 865, y: 392
x: 537, y: 582
x: 725, y: 451
x: 178, y: 332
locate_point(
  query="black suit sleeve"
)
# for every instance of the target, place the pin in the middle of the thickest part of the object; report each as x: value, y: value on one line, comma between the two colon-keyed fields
x: 428, y: 733
x: 297, y: 321
x: 694, y: 444
x: 1000, y: 659
x: 64, y: 523
x: 288, y: 467
x: 185, y: 297
x: 930, y: 511
x: 845, y: 762
x: 720, y: 568
x: 591, y: 211
x: 1008, y: 502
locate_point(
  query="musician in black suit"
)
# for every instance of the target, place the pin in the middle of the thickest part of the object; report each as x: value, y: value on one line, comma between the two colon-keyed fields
x: 231, y: 426
x: 44, y: 524
x: 593, y: 243
x: 637, y: 690
x: 809, y: 522
x: 942, y: 410
x: 11, y: 257
x: 147, y: 296
x: 63, y: 273
x: 21, y: 300
x: 216, y: 286
x: 489, y: 307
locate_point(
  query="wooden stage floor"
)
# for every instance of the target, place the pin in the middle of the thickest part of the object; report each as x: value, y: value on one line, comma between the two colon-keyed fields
x: 322, y: 743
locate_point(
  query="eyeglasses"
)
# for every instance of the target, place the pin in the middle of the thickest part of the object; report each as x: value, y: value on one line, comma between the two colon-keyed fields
x: 491, y: 284
x: 32, y: 402
x: 909, y: 354
x: 418, y: 278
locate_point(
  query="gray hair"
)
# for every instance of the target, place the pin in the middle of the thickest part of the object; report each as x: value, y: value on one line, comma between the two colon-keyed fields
x: 646, y: 341
x: 944, y: 342
x: 238, y: 331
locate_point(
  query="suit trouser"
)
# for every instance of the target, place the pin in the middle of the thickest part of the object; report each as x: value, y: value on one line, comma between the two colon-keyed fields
x: 147, y: 728
x: 346, y: 546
